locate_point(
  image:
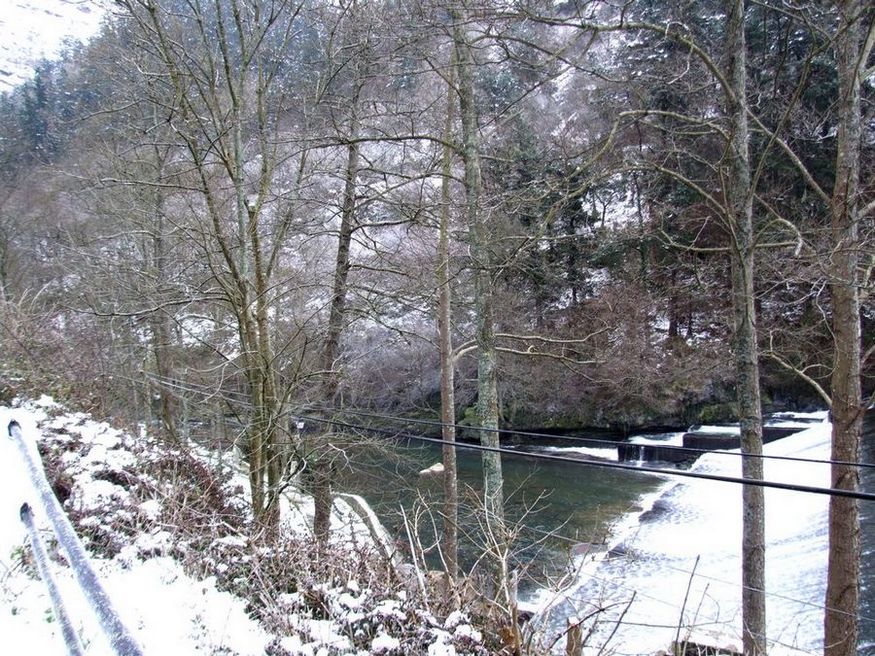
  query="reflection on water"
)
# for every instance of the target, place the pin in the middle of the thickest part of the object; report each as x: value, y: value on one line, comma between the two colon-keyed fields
x: 574, y: 501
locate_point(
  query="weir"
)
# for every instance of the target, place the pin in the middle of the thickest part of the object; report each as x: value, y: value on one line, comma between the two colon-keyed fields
x: 693, y: 542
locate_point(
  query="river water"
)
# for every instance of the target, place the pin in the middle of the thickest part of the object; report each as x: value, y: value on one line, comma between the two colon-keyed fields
x: 575, y: 504
x: 671, y: 562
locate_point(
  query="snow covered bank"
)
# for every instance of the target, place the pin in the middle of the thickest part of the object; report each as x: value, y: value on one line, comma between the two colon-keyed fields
x: 169, y: 535
x: 168, y: 611
x: 691, y: 537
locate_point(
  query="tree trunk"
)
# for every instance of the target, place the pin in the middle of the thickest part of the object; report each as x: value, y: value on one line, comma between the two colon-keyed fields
x: 322, y: 501
x: 337, y: 310
x: 843, y: 578
x: 161, y: 333
x: 269, y: 410
x: 740, y: 205
x: 487, y: 379
x: 164, y: 372
x: 445, y: 340
x: 321, y: 463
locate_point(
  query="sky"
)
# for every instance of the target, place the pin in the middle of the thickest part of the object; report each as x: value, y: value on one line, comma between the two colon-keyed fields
x: 34, y: 29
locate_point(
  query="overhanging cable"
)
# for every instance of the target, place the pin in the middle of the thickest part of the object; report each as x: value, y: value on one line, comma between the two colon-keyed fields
x: 243, y: 399
x: 608, y: 443
x: 853, y: 494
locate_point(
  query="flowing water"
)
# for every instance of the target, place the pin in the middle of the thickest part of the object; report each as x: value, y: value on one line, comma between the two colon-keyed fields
x: 675, y: 575
x: 575, y: 503
x: 671, y: 571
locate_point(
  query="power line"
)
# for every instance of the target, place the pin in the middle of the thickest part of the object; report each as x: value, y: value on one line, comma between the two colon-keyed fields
x: 554, y: 534
x: 227, y: 396
x: 853, y: 494
x: 591, y: 463
x: 597, y: 441
x: 560, y: 537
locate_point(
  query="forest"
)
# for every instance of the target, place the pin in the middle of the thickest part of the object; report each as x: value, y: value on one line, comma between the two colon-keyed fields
x: 220, y: 216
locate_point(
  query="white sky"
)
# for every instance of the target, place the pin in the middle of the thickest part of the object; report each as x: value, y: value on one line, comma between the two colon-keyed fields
x: 33, y: 29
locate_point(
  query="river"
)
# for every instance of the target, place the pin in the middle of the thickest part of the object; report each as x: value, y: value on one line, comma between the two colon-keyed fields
x: 679, y: 560
x: 575, y: 504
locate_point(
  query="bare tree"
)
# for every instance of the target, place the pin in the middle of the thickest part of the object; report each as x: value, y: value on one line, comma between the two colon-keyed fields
x: 445, y: 346
x: 853, y: 42
x: 221, y: 67
x: 487, y: 374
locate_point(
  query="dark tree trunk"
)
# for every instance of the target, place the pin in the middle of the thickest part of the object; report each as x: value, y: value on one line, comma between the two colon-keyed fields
x: 487, y: 377
x: 843, y: 580
x: 450, y: 540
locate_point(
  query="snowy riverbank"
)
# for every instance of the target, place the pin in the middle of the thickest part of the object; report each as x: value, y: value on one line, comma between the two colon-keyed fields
x: 141, y: 525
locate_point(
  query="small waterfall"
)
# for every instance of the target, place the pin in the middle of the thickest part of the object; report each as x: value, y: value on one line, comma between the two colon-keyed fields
x: 679, y: 562
x: 639, y: 460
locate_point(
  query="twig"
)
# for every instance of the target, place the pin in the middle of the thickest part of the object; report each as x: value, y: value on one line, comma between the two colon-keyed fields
x: 677, y: 634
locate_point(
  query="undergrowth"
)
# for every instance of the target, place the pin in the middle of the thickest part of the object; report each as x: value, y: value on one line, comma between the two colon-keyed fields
x: 140, y: 498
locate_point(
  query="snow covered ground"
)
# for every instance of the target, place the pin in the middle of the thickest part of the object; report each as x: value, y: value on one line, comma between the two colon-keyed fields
x: 168, y: 610
x: 689, y: 539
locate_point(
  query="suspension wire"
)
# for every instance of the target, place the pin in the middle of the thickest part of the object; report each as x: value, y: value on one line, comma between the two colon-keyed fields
x: 598, y: 441
x: 570, y: 540
x: 231, y: 398
x: 396, y: 434
x: 853, y: 494
x: 558, y: 536
x: 199, y: 389
x: 564, y: 538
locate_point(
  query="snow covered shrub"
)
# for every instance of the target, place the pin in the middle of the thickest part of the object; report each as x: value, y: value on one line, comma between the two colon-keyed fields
x: 134, y: 499
x: 345, y: 617
x: 91, y: 473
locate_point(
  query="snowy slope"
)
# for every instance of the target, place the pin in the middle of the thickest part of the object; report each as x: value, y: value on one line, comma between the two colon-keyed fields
x: 122, y: 509
x: 31, y: 30
x: 169, y: 612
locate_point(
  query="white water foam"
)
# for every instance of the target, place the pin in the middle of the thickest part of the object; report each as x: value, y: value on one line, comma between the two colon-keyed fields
x: 674, y: 571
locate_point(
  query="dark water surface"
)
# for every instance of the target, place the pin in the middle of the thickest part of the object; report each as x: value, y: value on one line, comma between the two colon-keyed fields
x: 575, y: 502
